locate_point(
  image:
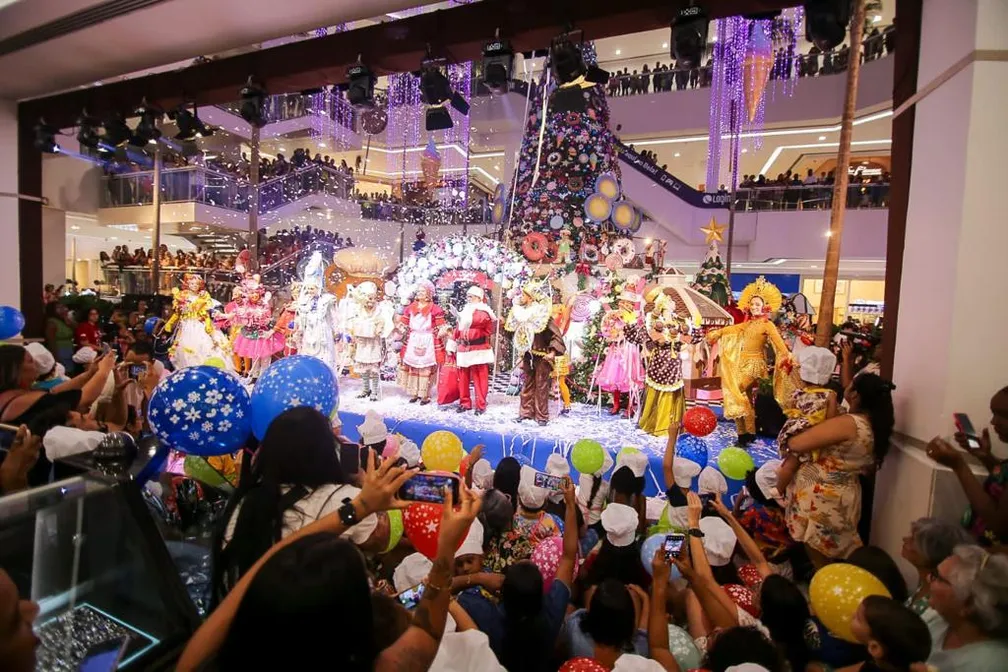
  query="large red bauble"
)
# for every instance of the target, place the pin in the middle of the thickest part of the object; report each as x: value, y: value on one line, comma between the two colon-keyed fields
x: 699, y: 421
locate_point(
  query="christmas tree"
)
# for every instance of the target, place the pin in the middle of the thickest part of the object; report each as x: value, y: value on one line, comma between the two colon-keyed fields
x: 712, y: 281
x: 567, y: 144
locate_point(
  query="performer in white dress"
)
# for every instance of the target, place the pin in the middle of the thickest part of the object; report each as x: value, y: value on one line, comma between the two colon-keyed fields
x: 316, y: 321
x: 196, y: 338
x: 370, y: 325
x: 423, y: 349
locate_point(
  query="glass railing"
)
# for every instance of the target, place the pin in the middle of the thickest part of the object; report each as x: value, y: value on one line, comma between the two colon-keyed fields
x: 283, y: 107
x: 811, y: 197
x: 124, y: 280
x: 314, y: 179
x: 425, y: 215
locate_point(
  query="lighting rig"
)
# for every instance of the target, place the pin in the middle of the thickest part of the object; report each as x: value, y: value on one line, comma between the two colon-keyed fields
x: 498, y: 64
x: 826, y: 22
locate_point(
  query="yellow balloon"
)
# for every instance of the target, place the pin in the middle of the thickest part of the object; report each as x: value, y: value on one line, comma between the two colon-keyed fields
x: 215, y: 362
x: 836, y: 592
x: 442, y: 451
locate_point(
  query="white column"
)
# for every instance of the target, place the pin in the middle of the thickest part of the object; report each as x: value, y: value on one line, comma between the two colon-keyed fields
x: 950, y: 354
x: 10, y: 279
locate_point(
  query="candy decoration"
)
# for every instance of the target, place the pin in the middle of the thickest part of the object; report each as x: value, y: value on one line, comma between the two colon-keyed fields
x: 622, y: 215
x: 581, y: 308
x: 589, y: 254
x: 201, y: 411
x: 395, y: 517
x: 497, y: 214
x: 597, y: 208
x: 683, y: 649
x: 552, y: 252
x: 11, y: 322
x: 546, y: 556
x: 556, y: 222
x: 608, y: 186
x: 297, y: 380
x: 699, y: 421
x: 587, y: 456
x: 743, y: 597
x: 638, y: 219
x: 735, y: 463
x: 534, y: 246
x: 624, y: 247
x: 583, y: 665
x: 836, y: 591
x: 647, y: 553
x: 613, y: 262
x: 689, y: 447
x: 442, y: 451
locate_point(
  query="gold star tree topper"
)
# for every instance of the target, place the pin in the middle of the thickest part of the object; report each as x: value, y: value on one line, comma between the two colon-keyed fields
x: 714, y: 231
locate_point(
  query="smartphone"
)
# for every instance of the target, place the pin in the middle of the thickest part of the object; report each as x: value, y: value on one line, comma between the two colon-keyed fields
x: 105, y: 347
x: 673, y: 545
x: 548, y: 481
x: 707, y: 498
x: 429, y: 487
x: 136, y: 370
x: 104, y: 657
x: 964, y: 425
x: 410, y: 597
x: 350, y: 457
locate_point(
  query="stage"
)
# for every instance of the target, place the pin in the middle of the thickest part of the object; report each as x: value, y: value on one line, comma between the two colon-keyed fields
x: 502, y: 436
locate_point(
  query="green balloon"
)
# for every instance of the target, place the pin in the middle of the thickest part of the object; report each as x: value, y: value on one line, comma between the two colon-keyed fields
x: 626, y: 451
x: 587, y: 456
x: 200, y: 469
x: 683, y: 649
x: 735, y: 463
x: 395, y: 528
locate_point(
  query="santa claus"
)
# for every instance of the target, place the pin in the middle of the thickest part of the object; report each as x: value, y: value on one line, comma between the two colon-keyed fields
x: 473, y: 351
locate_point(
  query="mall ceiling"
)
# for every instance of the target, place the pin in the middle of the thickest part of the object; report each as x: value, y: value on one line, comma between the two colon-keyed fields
x: 140, y: 39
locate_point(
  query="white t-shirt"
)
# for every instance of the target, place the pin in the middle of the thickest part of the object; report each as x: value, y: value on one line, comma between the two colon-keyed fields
x: 467, y: 651
x: 322, y: 501
x: 592, y: 510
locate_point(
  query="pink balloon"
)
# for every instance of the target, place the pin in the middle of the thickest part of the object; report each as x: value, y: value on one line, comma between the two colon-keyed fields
x: 546, y: 556
x: 391, y: 445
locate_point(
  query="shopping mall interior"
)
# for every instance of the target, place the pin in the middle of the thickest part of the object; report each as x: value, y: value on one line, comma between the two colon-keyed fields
x: 303, y: 209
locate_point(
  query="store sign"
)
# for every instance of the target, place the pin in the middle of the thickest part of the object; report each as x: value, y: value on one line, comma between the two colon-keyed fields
x: 671, y: 183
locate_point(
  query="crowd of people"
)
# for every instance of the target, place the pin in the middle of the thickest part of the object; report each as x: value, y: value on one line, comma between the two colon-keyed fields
x: 678, y: 76
x: 306, y: 554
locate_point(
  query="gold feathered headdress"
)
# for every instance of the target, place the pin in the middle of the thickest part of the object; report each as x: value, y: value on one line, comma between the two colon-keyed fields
x: 765, y: 290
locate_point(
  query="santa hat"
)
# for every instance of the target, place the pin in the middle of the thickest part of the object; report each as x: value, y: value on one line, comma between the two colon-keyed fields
x: 476, y: 291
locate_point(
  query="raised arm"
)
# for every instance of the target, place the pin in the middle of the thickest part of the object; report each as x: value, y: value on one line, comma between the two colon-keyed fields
x: 565, y: 570
x: 716, y: 603
x: 781, y: 350
x: 658, y: 639
x: 825, y: 434
x: 749, y: 546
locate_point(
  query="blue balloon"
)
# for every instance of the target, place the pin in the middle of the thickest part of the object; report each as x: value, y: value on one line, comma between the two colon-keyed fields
x: 690, y: 447
x: 559, y: 522
x: 11, y: 322
x: 650, y: 547
x: 149, y: 325
x: 201, y: 411
x: 298, y: 380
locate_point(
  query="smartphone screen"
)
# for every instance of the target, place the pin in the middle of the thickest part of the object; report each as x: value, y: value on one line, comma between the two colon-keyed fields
x: 673, y: 545
x: 964, y: 425
x: 429, y: 488
x: 104, y: 657
x: 707, y: 498
x: 548, y: 481
x: 136, y: 370
x: 410, y: 597
x: 350, y: 457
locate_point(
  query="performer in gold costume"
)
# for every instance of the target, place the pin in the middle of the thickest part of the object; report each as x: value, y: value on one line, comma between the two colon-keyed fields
x: 743, y: 357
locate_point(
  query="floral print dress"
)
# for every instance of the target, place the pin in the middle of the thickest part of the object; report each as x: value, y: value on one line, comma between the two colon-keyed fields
x: 824, y: 500
x: 518, y: 543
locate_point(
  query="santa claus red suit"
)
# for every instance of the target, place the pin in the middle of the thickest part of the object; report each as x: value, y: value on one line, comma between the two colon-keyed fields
x: 473, y: 350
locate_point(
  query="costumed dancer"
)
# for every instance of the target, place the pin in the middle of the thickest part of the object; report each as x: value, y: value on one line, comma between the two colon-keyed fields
x: 537, y: 342
x: 622, y: 370
x: 256, y: 341
x: 561, y: 365
x: 369, y: 326
x: 664, y: 399
x: 473, y: 350
x: 423, y: 351
x: 196, y: 338
x: 743, y: 357
x: 316, y: 320
x: 285, y: 321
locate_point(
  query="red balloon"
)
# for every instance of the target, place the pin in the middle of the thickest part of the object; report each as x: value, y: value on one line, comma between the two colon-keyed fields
x: 699, y: 421
x: 742, y: 597
x: 583, y: 665
x: 422, y: 524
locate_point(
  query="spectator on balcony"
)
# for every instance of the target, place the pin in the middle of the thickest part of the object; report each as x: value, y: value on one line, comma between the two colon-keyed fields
x: 810, y: 178
x: 889, y: 37
x: 694, y: 76
x: 624, y: 83
x: 645, y: 79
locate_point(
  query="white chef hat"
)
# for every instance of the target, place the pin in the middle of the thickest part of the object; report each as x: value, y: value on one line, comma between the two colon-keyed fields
x: 476, y: 291
x: 747, y: 667
x: 530, y: 495
x: 607, y: 463
x: 684, y: 471
x: 412, y: 570
x: 373, y: 429
x: 84, y: 355
x: 473, y: 544
x: 766, y: 479
x: 44, y: 360
x: 635, y: 460
x: 631, y: 662
x: 719, y: 540
x: 712, y: 481
x: 482, y: 474
x: 556, y: 465
x: 620, y: 523
x: 409, y: 451
x: 815, y: 364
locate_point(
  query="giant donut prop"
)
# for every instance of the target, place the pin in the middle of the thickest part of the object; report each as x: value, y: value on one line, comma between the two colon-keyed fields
x: 623, y: 215
x: 597, y: 208
x: 608, y: 186
x: 534, y: 246
x: 552, y: 253
x: 625, y: 249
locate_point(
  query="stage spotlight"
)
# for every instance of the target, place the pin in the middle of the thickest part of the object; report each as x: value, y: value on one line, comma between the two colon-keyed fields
x: 689, y: 36
x: 45, y: 137
x: 117, y: 133
x: 498, y: 65
x: 360, y: 87
x: 146, y: 131
x: 87, y: 131
x: 435, y: 88
x: 826, y: 22
x: 253, y: 98
x: 568, y: 65
x: 437, y: 118
x: 189, y: 124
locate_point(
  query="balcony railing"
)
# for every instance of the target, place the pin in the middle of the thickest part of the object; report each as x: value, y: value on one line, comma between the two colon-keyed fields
x: 811, y: 197
x: 284, y: 107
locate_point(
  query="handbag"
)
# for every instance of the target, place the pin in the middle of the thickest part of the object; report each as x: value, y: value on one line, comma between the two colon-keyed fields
x: 447, y: 384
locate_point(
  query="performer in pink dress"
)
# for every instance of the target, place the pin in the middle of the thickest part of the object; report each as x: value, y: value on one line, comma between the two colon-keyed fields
x: 423, y: 350
x: 473, y: 350
x: 256, y: 341
x: 622, y: 371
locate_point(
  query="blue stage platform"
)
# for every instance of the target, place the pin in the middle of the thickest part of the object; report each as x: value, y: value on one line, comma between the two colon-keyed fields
x: 502, y: 436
